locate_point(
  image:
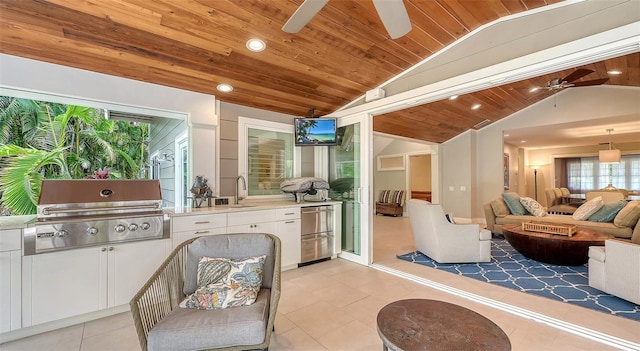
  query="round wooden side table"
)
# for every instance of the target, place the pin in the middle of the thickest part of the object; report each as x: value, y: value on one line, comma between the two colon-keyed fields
x: 420, y: 324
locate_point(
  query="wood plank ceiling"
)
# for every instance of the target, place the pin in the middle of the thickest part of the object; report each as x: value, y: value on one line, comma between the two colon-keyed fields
x: 197, y: 44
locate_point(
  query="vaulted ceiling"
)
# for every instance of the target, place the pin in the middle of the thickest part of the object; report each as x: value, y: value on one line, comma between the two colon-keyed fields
x: 343, y: 52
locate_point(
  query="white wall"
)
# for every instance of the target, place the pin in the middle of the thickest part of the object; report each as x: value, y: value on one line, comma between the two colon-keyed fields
x: 390, y: 145
x: 570, y: 105
x: 104, y: 91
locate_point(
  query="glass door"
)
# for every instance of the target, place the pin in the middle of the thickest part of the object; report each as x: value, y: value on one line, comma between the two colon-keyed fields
x: 347, y: 181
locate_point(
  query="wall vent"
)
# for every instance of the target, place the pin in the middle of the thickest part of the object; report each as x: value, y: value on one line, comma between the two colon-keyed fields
x: 482, y: 124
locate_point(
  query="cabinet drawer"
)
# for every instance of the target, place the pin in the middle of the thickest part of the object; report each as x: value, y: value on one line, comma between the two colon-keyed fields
x: 284, y: 214
x: 10, y: 239
x: 251, y: 217
x: 188, y: 223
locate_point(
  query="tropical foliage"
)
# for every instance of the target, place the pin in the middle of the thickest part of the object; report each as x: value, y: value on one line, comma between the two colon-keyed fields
x: 41, y: 140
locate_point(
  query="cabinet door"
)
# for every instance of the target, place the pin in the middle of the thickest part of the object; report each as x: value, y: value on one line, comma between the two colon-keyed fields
x: 289, y: 234
x: 66, y: 283
x: 130, y: 266
x: 10, y: 290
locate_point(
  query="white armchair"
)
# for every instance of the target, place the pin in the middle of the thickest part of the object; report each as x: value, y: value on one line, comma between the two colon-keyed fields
x: 615, y: 269
x: 445, y: 242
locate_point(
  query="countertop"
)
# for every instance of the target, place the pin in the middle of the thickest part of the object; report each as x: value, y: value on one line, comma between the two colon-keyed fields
x: 244, y: 207
x: 19, y: 222
x: 16, y: 222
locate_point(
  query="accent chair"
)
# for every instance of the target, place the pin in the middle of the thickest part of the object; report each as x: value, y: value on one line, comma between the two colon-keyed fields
x: 162, y: 324
x: 615, y: 269
x: 446, y: 242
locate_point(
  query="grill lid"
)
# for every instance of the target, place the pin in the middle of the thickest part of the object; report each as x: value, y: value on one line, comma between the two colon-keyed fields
x: 84, y: 197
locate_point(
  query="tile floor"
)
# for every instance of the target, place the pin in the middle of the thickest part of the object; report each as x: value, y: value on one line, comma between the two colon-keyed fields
x: 333, y: 306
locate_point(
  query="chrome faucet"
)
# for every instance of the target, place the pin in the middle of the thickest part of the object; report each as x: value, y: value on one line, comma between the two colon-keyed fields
x: 244, y: 187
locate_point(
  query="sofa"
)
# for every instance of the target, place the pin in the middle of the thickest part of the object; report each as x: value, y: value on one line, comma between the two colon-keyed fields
x: 497, y: 214
x: 390, y: 202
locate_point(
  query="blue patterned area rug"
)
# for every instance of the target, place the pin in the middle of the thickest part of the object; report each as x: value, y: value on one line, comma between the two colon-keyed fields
x: 512, y: 270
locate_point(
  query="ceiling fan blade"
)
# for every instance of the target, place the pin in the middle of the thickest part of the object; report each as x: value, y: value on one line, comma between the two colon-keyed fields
x: 590, y: 82
x: 307, y: 10
x: 577, y: 74
x: 394, y: 17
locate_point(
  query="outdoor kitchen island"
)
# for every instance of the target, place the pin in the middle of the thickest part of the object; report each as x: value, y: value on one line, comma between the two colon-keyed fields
x: 282, y: 218
x: 52, y: 290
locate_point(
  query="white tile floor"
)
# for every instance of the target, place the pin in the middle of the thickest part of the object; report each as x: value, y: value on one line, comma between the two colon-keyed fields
x: 333, y: 306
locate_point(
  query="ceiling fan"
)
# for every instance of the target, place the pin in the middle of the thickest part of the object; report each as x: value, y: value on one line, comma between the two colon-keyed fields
x: 392, y: 13
x: 570, y: 81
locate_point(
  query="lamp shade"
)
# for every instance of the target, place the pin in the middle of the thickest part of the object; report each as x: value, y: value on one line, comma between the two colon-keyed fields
x: 609, y: 156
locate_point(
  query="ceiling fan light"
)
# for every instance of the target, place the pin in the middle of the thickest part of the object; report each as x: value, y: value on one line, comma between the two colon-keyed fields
x: 609, y: 156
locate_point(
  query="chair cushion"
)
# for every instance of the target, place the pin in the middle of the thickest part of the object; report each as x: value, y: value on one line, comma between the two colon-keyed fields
x: 608, y: 212
x: 532, y: 206
x: 587, y: 209
x: 628, y: 216
x: 513, y: 202
x: 597, y: 253
x: 485, y: 234
x: 392, y: 197
x: 191, y: 329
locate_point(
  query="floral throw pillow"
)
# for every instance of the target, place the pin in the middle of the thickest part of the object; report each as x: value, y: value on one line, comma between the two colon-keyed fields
x: 224, y: 283
x: 532, y: 206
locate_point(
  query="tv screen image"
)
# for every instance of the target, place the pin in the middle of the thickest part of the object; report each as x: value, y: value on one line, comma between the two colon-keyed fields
x: 315, y: 131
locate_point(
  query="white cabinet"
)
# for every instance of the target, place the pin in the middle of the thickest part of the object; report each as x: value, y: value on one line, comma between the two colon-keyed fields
x: 187, y: 227
x: 289, y: 233
x: 130, y: 266
x: 72, y: 282
x: 262, y: 221
x: 10, y: 280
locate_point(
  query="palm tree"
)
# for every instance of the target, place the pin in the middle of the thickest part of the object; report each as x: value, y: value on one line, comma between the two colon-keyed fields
x: 59, y: 141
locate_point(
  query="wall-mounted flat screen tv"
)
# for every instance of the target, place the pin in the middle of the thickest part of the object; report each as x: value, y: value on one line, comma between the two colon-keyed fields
x: 315, y: 131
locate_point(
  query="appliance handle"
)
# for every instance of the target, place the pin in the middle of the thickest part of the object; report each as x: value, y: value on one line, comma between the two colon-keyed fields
x: 51, y: 210
x: 318, y: 237
x: 315, y: 209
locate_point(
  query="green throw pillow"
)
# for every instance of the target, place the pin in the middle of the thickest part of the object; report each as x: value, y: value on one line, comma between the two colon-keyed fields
x: 608, y: 212
x: 513, y: 202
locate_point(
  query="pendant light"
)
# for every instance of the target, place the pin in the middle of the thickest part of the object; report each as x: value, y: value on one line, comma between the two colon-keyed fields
x: 610, y: 155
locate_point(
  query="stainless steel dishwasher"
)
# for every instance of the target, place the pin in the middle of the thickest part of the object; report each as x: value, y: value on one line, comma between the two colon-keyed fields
x: 316, y: 223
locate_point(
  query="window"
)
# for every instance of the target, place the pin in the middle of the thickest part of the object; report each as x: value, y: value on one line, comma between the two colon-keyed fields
x: 266, y: 155
x: 586, y: 173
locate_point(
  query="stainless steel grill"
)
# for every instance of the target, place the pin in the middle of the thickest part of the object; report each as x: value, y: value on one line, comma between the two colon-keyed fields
x: 89, y: 212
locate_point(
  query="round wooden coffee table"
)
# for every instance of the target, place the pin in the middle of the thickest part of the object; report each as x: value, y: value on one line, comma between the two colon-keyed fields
x: 552, y: 248
x: 419, y: 324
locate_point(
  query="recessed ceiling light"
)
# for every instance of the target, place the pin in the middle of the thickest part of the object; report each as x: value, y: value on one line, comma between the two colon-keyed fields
x: 453, y: 97
x: 225, y: 88
x: 614, y: 72
x: 475, y: 107
x: 534, y: 89
x: 523, y: 141
x: 256, y: 45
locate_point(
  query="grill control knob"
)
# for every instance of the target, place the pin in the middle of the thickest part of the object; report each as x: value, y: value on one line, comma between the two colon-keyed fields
x: 92, y: 231
x: 133, y: 227
x: 145, y: 226
x: 61, y: 233
x: 120, y: 228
